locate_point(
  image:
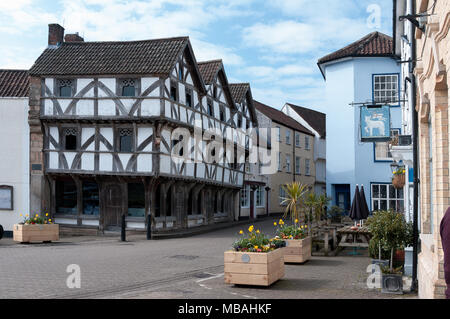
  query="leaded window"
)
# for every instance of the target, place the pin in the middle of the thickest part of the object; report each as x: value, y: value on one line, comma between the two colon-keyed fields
x: 66, y: 87
x: 70, y: 139
x: 128, y: 87
x: 126, y: 140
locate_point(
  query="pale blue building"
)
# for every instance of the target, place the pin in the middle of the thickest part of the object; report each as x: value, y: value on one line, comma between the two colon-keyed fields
x: 364, y: 72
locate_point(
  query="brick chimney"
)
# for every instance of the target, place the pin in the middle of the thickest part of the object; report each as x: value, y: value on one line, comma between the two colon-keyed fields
x: 73, y: 37
x: 55, y: 34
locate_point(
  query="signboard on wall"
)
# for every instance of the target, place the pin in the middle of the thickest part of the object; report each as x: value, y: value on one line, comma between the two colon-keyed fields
x: 6, y: 197
x: 375, y: 123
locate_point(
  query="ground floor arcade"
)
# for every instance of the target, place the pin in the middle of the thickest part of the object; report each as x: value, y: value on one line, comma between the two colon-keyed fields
x: 169, y: 204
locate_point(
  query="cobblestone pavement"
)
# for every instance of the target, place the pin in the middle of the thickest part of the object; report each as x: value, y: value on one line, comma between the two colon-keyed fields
x: 172, y: 268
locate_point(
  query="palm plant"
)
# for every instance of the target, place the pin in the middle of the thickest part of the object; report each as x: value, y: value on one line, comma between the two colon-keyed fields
x: 294, y: 199
x: 322, y: 202
x: 310, y: 208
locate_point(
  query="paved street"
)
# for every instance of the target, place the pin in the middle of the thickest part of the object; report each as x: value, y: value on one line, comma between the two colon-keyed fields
x: 173, y: 268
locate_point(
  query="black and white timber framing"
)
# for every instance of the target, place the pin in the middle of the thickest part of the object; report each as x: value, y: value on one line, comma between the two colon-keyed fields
x: 98, y: 145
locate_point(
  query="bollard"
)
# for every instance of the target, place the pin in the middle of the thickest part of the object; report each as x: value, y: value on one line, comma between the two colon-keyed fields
x: 149, y: 228
x: 123, y: 235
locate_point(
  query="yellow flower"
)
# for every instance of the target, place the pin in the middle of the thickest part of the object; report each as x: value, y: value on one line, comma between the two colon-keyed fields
x: 256, y: 247
x: 250, y: 229
x: 296, y: 221
x: 257, y: 231
x: 49, y: 220
x: 37, y: 215
x: 20, y: 215
x: 46, y: 214
x: 275, y: 223
x: 241, y: 232
x: 26, y: 215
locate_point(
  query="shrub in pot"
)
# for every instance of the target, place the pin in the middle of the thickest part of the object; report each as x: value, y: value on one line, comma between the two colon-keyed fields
x: 390, y: 232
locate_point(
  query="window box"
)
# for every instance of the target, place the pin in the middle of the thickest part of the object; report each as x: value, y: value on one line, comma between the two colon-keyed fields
x: 254, y: 269
x: 24, y: 233
x: 297, y: 251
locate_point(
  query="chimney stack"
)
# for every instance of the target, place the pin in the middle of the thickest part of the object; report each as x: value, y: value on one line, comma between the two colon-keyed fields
x: 73, y: 37
x: 55, y: 34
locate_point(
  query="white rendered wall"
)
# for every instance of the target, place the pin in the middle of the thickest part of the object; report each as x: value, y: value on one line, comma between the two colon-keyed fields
x: 14, y: 158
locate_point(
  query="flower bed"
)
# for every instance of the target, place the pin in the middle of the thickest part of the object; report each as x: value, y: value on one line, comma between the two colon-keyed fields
x: 298, y: 243
x: 255, y: 260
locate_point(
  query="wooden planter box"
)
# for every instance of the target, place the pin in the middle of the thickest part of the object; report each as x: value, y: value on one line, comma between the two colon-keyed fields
x: 297, y: 251
x: 36, y: 233
x: 254, y: 269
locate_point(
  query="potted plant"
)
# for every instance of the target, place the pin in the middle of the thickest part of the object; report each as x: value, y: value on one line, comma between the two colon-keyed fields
x: 390, y: 231
x: 298, y: 243
x: 37, y: 228
x: 255, y: 260
x: 398, y: 179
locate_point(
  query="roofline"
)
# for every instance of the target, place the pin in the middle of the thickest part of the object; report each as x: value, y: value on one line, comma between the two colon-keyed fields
x: 210, y: 61
x: 281, y: 123
x: 302, y: 107
x: 13, y: 70
x: 128, y: 41
x: 310, y: 127
x: 351, y: 57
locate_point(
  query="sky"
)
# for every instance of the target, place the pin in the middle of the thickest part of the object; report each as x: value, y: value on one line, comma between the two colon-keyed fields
x: 274, y: 45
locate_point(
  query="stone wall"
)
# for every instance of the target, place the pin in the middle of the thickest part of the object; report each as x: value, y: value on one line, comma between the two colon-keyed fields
x: 433, y: 55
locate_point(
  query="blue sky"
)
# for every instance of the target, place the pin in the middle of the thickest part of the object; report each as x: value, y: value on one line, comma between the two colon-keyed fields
x: 273, y: 44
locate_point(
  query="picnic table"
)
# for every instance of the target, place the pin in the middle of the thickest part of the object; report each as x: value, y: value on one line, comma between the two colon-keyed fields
x: 359, y: 237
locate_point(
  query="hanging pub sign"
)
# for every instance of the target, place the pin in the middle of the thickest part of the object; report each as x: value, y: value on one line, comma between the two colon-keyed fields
x: 375, y: 123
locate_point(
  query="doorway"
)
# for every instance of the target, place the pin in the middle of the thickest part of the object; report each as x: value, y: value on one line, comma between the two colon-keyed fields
x: 342, y: 197
x: 113, y: 206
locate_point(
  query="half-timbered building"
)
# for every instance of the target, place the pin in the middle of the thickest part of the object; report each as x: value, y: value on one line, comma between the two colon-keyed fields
x: 106, y: 114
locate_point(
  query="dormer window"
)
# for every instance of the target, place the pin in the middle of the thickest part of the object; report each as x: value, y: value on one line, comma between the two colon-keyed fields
x: 65, y: 87
x: 128, y: 87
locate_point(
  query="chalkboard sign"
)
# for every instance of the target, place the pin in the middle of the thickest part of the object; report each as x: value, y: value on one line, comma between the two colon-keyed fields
x: 6, y: 197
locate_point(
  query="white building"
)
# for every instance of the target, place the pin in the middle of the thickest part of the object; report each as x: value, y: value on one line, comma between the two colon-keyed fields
x: 14, y: 146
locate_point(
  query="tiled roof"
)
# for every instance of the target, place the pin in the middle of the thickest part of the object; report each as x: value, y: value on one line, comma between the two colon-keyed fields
x: 281, y: 118
x: 238, y: 91
x: 373, y: 44
x: 105, y: 58
x: 209, y: 69
x: 316, y: 119
x: 14, y: 83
